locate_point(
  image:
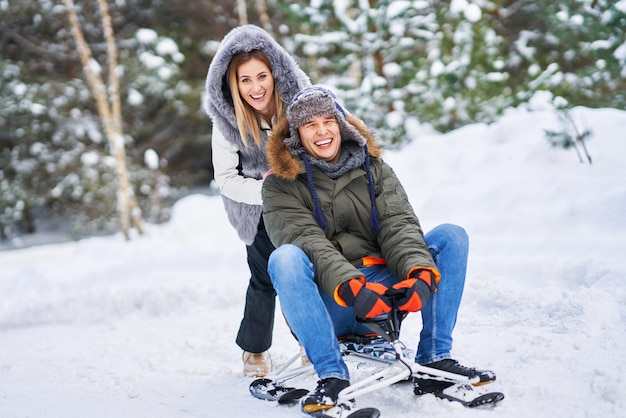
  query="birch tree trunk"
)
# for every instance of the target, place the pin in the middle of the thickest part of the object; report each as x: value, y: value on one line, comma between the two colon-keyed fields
x: 109, y: 111
x: 264, y: 16
x: 242, y: 11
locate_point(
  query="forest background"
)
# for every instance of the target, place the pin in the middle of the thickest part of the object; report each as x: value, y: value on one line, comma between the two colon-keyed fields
x: 396, y: 64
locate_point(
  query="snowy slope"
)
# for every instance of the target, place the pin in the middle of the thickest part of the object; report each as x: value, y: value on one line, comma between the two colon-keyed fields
x: 146, y: 328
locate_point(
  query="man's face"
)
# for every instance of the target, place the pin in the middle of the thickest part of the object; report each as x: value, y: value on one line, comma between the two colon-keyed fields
x: 321, y: 138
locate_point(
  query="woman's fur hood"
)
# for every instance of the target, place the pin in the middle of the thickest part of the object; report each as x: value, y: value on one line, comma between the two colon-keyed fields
x: 218, y: 102
x: 286, y: 165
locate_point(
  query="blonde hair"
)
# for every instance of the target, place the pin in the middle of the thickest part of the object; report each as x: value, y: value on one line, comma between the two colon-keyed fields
x: 248, y: 120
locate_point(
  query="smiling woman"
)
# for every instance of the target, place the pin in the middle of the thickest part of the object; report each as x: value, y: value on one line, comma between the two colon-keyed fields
x: 256, y: 85
x: 251, y: 84
x: 249, y: 79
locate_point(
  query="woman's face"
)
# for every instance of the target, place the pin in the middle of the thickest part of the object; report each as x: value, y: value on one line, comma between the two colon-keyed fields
x: 256, y: 86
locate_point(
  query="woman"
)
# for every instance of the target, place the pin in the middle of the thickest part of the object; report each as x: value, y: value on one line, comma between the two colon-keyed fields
x: 248, y: 82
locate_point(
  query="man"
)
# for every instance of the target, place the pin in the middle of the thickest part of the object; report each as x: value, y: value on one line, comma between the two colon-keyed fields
x: 347, y: 237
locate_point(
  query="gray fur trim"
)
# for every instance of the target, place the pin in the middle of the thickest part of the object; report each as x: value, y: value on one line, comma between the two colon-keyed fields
x: 287, y: 75
x: 289, y: 79
x: 244, y: 217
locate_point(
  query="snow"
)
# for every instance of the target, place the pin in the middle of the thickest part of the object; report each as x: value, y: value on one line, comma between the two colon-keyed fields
x: 620, y: 52
x: 471, y: 12
x: 151, y: 61
x: 167, y: 46
x: 151, y: 158
x: 90, y: 158
x: 145, y: 328
x: 135, y: 98
x: 396, y: 9
x: 146, y: 36
x: 95, y: 66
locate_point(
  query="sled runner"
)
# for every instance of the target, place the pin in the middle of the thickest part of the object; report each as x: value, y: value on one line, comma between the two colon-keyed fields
x: 394, y: 363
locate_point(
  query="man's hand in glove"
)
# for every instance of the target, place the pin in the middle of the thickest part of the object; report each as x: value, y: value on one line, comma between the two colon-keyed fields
x: 367, y: 299
x: 411, y: 294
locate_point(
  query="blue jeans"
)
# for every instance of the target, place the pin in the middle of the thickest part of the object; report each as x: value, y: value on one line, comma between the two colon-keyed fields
x: 317, y: 320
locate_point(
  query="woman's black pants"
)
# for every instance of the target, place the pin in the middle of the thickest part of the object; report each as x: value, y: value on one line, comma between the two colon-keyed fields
x: 257, y: 325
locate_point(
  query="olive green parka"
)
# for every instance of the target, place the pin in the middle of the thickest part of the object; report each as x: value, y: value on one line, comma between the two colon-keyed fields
x: 349, y: 241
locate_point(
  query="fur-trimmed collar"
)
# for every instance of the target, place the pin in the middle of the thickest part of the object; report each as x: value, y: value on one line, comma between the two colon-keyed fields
x: 285, y: 165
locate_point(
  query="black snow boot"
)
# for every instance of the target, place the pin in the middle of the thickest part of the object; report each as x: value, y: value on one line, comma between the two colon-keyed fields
x: 423, y: 385
x: 325, y: 395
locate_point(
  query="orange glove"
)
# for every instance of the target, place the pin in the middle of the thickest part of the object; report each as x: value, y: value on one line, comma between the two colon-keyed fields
x: 367, y: 299
x: 410, y: 294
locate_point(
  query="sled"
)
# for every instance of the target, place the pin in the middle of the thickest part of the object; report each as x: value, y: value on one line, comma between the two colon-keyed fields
x: 394, y: 364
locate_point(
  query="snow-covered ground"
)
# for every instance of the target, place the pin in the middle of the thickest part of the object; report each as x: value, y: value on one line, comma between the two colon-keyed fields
x: 108, y: 328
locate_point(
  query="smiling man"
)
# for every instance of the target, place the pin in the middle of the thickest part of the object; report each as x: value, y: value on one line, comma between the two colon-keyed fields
x: 321, y: 138
x: 348, y: 244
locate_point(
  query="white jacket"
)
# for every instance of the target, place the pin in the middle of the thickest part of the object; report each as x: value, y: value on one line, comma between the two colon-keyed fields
x: 230, y: 182
x: 239, y: 169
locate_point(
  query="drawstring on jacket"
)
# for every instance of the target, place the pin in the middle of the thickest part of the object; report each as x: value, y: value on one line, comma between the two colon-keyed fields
x: 318, y: 213
x: 374, y: 218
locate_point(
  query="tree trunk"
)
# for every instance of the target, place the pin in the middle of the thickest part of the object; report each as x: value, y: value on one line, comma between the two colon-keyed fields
x: 265, y: 17
x: 242, y: 11
x: 110, y: 113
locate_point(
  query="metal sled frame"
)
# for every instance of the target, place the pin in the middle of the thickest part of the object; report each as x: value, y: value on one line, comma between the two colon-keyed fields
x: 393, y: 371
